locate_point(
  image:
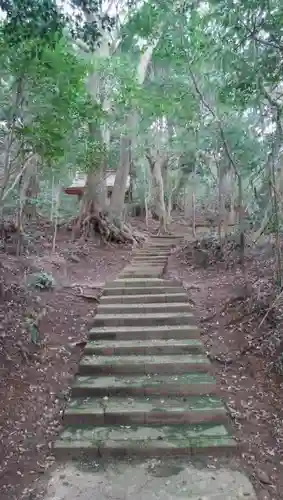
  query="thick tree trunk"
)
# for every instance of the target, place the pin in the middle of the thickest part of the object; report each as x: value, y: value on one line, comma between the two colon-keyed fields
x: 120, y: 185
x: 94, y: 198
x: 29, y: 192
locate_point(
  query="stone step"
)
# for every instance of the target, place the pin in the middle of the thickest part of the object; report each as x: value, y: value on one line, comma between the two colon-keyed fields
x: 153, y: 258
x: 154, y: 298
x: 140, y: 290
x: 161, y: 246
x: 147, y: 282
x: 142, y: 410
x: 155, y: 237
x: 153, y: 248
x: 157, y: 273
x: 146, y: 440
x: 140, y: 308
x: 142, y: 272
x: 163, y: 241
x: 151, y: 253
x: 188, y: 384
x: 144, y: 347
x: 144, y: 332
x: 147, y: 268
x: 136, y: 271
x: 148, y: 262
x: 144, y: 266
x: 111, y: 365
x: 158, y: 319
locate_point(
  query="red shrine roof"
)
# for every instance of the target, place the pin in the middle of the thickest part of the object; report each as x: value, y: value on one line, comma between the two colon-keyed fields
x: 79, y: 182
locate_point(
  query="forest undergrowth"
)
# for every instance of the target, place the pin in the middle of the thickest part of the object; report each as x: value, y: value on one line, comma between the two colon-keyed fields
x: 241, y: 321
x: 47, y: 304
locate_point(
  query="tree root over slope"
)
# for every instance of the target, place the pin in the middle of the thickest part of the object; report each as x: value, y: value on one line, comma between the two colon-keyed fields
x: 99, y: 223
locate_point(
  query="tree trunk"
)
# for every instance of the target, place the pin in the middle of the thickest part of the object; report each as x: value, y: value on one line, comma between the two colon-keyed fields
x: 275, y: 223
x: 169, y: 207
x: 194, y: 215
x: 120, y: 185
x: 241, y: 221
x: 29, y: 192
x: 221, y: 205
x: 157, y: 192
x: 187, y: 206
x: 94, y: 198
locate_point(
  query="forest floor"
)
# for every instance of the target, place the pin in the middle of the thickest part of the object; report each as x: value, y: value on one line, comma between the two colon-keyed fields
x: 35, y: 380
x: 243, y: 338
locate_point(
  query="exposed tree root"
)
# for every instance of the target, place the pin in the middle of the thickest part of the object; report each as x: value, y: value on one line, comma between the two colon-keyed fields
x: 99, y: 223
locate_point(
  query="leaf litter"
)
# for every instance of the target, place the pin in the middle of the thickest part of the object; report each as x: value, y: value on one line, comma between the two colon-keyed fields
x: 42, y: 332
x: 241, y: 327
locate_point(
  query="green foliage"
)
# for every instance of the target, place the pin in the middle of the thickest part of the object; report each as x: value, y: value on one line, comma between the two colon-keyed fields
x: 41, y: 280
x: 30, y: 20
x: 210, y: 96
x: 57, y: 102
x: 33, y: 331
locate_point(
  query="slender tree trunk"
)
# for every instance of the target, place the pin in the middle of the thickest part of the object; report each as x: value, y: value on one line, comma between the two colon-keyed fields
x: 276, y: 224
x: 194, y: 215
x: 186, y: 203
x: 157, y: 191
x: 169, y: 207
x: 241, y: 220
x: 221, y: 205
x: 57, y: 204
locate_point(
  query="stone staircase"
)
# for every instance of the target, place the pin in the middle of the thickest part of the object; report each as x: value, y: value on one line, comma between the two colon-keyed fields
x: 144, y: 386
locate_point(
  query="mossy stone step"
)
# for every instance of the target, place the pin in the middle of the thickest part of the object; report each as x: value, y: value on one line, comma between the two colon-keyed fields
x: 140, y: 290
x: 146, y: 264
x: 144, y: 364
x: 141, y: 410
x: 143, y: 440
x: 151, y: 253
x: 162, y: 245
x: 167, y: 236
x: 187, y: 384
x: 144, y: 386
x: 148, y: 308
x: 144, y: 332
x: 145, y: 319
x: 155, y: 298
x: 141, y: 273
x: 146, y: 282
x: 143, y: 266
x: 143, y: 347
x: 150, y: 258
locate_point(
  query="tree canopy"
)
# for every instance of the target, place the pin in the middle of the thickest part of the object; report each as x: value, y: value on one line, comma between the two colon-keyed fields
x: 188, y: 94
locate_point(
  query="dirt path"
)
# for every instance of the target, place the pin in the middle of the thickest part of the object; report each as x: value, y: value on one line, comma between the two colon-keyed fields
x: 252, y: 392
x: 34, y: 381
